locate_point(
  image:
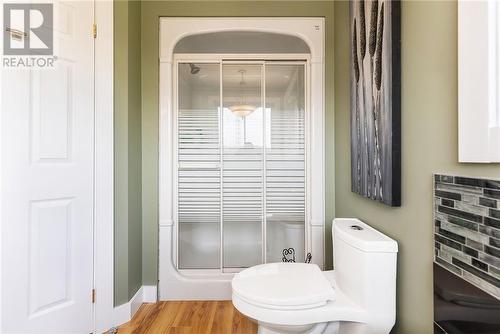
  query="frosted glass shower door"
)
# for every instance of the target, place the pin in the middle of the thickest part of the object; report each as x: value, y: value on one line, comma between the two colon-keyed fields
x: 243, y: 127
x: 285, y: 160
x: 241, y: 173
x: 198, y: 176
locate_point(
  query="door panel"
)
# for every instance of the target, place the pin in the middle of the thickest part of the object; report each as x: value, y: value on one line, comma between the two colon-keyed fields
x: 198, y: 176
x: 242, y: 155
x: 50, y: 254
x: 51, y: 114
x: 285, y: 160
x: 47, y: 185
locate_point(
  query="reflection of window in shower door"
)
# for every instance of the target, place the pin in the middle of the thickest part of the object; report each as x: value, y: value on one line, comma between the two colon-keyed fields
x: 241, y: 173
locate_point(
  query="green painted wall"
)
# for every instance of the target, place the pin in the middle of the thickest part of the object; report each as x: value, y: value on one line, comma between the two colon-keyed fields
x: 429, y: 145
x: 128, y: 165
x: 151, y: 11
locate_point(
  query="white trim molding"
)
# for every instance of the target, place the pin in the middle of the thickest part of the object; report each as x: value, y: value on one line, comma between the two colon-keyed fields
x: 125, y: 312
x: 104, y: 310
x: 150, y: 294
x: 106, y: 315
x: 216, y: 285
x: 136, y: 301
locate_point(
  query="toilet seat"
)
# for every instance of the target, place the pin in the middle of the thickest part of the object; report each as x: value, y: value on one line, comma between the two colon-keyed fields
x: 339, y: 308
x: 283, y: 286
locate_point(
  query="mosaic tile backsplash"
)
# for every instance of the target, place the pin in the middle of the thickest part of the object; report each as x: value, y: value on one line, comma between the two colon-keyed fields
x: 467, y: 229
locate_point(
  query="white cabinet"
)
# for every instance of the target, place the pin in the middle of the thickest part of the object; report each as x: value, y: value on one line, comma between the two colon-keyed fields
x: 478, y: 81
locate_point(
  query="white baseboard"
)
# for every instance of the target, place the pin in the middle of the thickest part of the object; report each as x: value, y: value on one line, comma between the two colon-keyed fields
x: 149, y: 294
x: 123, y: 313
x: 136, y: 301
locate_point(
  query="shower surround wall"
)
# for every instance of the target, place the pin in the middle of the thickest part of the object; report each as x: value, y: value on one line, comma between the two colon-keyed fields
x: 467, y: 229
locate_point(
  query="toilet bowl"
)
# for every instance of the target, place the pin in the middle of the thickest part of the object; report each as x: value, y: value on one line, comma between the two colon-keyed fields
x: 358, y: 297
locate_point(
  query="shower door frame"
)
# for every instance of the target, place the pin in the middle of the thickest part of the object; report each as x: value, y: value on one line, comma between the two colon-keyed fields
x: 240, y: 59
x: 201, y: 284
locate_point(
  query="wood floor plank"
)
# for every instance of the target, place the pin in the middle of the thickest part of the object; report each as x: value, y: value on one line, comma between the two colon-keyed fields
x: 142, y: 313
x: 167, y: 314
x: 145, y: 325
x: 242, y: 325
x: 198, y: 315
x: 179, y: 330
x: 223, y: 319
x: 189, y: 317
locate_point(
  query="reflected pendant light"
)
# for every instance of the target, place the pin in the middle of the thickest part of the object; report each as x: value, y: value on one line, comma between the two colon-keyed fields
x: 242, y: 109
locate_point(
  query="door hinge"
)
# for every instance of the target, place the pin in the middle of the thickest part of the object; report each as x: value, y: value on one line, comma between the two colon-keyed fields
x: 93, y: 296
x: 94, y: 30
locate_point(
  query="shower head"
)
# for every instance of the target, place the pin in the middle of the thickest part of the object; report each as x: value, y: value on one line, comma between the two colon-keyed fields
x: 194, y: 69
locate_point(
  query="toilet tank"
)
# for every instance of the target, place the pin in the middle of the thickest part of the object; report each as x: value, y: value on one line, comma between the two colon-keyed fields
x: 365, y: 266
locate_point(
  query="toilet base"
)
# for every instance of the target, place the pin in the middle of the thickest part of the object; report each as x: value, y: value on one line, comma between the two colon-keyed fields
x: 320, y: 328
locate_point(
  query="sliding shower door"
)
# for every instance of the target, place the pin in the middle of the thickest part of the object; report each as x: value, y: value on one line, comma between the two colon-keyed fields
x: 243, y: 165
x: 285, y: 161
x: 198, y: 161
x: 241, y: 174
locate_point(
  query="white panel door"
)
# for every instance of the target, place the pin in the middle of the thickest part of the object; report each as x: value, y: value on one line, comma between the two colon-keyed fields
x: 47, y: 119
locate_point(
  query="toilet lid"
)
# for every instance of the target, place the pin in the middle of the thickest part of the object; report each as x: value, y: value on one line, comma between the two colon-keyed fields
x: 288, y: 285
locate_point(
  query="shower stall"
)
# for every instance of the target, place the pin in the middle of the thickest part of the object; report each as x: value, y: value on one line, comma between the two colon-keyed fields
x: 240, y: 195
x: 241, y: 163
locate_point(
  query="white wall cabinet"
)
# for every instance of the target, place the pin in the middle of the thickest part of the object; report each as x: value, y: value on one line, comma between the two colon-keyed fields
x: 479, y: 81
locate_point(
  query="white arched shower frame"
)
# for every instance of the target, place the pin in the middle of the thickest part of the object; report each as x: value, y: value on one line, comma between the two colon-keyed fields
x: 172, y: 284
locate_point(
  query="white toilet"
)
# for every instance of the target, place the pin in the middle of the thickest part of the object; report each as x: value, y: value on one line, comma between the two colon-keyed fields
x: 358, y: 297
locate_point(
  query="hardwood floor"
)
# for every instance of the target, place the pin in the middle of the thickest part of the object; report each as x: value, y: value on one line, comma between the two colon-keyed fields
x: 189, y: 317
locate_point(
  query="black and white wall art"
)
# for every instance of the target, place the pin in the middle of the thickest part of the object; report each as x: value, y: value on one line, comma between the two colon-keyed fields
x: 375, y: 100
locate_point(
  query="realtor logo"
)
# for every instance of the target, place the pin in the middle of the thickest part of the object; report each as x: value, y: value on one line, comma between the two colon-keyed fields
x: 28, y: 29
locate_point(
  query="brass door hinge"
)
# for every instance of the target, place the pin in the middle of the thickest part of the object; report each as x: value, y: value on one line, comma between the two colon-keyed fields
x: 93, y: 296
x: 94, y: 30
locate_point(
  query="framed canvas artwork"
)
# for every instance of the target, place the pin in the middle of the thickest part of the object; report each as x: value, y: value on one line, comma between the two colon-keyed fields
x: 375, y: 108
